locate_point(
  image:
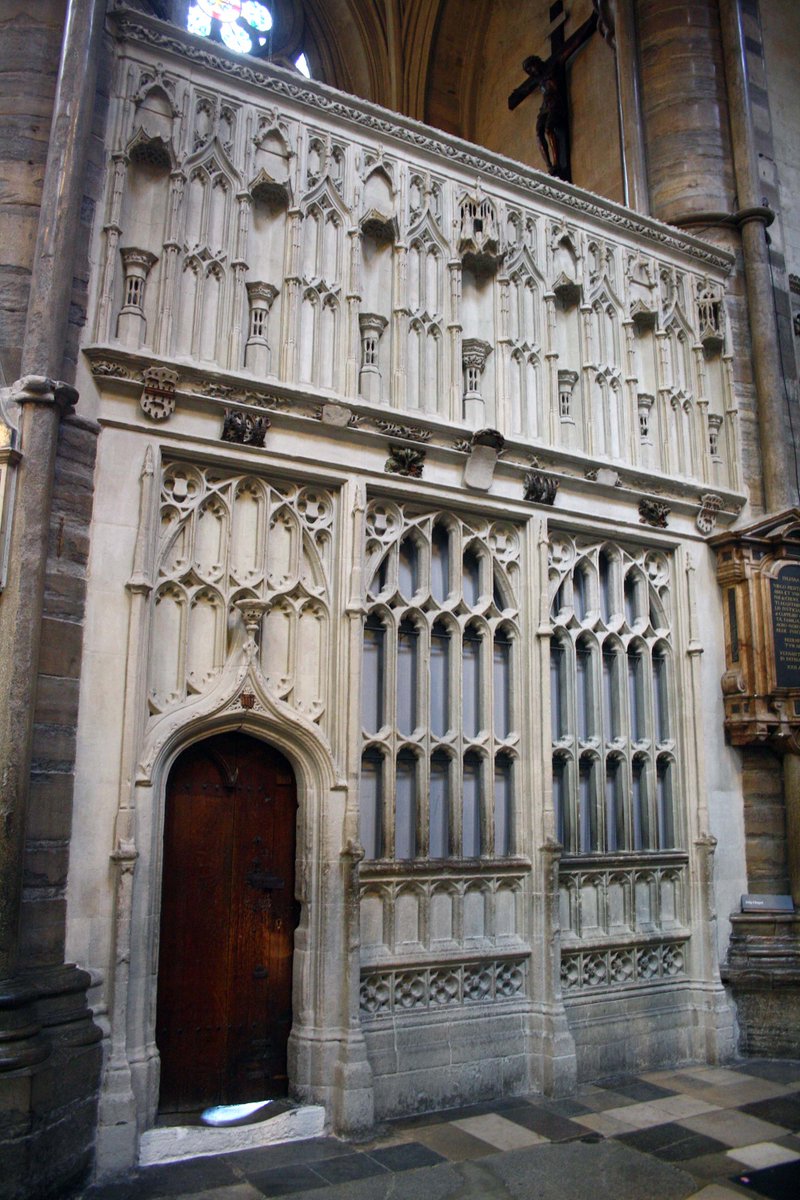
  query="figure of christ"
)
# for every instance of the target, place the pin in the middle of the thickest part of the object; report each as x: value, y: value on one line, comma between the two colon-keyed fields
x: 550, y: 78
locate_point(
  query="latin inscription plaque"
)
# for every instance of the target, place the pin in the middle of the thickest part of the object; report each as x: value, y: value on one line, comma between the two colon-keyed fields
x: 785, y: 592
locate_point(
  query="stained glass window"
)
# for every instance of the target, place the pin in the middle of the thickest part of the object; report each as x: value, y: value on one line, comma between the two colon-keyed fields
x: 243, y: 25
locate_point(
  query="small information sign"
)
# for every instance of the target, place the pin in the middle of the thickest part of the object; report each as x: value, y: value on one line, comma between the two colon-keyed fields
x: 770, y: 904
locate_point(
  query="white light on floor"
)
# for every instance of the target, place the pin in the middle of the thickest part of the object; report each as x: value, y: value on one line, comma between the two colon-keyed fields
x: 232, y: 1114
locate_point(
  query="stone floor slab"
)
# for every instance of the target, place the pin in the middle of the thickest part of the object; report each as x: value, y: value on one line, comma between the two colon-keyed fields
x: 640, y: 1116
x: 717, y: 1191
x: 737, y: 1095
x: 781, y: 1110
x: 763, y: 1154
x: 602, y: 1123
x: 733, y: 1128
x: 777, y: 1070
x: 606, y: 1171
x: 499, y: 1132
x: 716, y: 1076
x: 549, y: 1124
x: 453, y: 1143
x: 683, y: 1106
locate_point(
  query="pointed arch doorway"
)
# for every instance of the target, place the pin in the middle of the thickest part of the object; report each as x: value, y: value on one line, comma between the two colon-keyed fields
x: 228, y: 916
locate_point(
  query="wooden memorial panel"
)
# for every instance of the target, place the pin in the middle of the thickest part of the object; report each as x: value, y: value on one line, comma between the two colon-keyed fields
x: 758, y: 569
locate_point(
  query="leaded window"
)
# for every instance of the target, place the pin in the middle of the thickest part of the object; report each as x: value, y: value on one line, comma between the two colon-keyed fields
x: 612, y: 697
x: 245, y: 26
x: 440, y: 718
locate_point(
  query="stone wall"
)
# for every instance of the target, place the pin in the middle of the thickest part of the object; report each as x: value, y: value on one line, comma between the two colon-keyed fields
x: 30, y: 36
x: 764, y: 821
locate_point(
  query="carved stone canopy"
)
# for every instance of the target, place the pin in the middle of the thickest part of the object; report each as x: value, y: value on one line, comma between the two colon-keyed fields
x: 758, y: 569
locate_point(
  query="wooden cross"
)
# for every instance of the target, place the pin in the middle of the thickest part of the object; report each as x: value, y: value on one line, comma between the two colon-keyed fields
x: 550, y: 77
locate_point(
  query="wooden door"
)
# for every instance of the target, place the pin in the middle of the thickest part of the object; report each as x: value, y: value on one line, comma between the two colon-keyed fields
x: 228, y: 916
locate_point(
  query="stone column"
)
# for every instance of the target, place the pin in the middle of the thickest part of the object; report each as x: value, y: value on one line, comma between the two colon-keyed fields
x: 633, y: 156
x: 777, y: 455
x: 54, y: 1107
x: 684, y: 106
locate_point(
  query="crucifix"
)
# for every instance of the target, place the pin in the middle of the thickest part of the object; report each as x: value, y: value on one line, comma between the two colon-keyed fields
x: 550, y: 78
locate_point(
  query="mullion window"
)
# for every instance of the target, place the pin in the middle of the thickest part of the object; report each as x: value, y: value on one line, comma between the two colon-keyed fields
x: 611, y: 704
x: 437, y: 679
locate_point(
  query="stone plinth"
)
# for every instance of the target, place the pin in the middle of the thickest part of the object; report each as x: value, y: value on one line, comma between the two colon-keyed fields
x: 763, y: 972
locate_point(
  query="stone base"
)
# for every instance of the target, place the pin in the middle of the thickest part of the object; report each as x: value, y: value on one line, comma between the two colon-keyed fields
x: 651, y: 1028
x: 49, y: 1079
x: 763, y: 972
x: 421, y: 1065
x: 175, y: 1143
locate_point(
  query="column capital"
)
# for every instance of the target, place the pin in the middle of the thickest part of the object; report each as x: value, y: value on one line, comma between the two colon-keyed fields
x: 40, y: 389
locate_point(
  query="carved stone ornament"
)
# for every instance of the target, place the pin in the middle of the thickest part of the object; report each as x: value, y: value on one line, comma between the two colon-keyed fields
x: 653, y: 512
x: 485, y: 449
x: 707, y: 517
x: 395, y: 429
x: 540, y: 488
x: 492, y: 438
x: 243, y: 429
x: 158, y: 398
x: 405, y: 460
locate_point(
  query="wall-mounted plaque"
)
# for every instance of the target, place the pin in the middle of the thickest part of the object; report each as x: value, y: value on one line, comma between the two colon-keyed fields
x: 758, y: 569
x: 785, y: 596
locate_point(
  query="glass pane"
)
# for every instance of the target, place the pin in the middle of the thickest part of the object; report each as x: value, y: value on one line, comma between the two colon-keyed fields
x: 630, y: 600
x: 635, y: 698
x: 579, y: 589
x: 605, y: 586
x: 373, y: 677
x: 557, y: 691
x: 405, y: 808
x: 370, y: 826
x: 440, y: 680
x: 502, y: 807
x: 664, y: 813
x: 407, y: 677
x: 615, y: 834
x: 440, y: 563
x: 472, y: 578
x: 584, y: 689
x: 560, y: 801
x: 471, y: 810
x: 660, y: 697
x: 407, y: 569
x: 471, y: 698
x: 587, y: 818
x: 639, y: 806
x: 610, y: 710
x: 378, y: 583
x: 440, y: 807
x: 502, y: 685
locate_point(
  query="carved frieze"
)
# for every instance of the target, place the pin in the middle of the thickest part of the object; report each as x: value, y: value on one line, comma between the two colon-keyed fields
x: 445, y: 985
